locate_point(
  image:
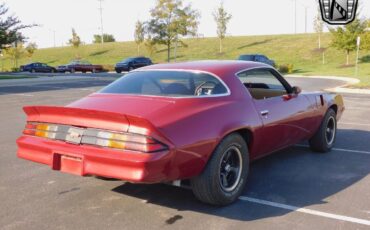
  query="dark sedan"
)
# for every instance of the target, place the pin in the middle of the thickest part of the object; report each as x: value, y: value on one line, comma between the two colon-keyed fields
x: 37, y: 67
x: 80, y: 66
x: 257, y: 58
x: 132, y: 63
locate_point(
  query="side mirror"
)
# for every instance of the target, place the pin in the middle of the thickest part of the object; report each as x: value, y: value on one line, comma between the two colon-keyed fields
x: 296, y: 90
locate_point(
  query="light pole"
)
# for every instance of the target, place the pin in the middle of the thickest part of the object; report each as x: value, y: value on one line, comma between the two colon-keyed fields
x: 295, y: 16
x: 101, y: 21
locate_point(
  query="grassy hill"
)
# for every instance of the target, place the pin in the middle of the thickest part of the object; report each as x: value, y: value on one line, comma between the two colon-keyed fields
x: 298, y: 50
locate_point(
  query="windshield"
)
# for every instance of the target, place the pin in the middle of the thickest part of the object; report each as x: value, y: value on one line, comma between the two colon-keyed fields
x: 167, y: 83
x: 127, y: 60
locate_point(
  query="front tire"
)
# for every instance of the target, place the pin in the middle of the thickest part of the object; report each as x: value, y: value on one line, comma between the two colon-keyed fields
x: 225, y: 174
x: 324, y: 138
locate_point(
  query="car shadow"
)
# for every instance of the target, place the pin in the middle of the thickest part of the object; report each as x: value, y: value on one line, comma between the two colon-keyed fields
x: 295, y: 176
x: 254, y: 44
x: 97, y: 53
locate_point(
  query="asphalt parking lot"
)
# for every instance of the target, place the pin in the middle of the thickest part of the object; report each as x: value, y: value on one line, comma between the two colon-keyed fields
x: 292, y: 189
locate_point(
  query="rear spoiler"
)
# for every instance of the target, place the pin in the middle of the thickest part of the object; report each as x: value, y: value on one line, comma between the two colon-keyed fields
x: 77, y: 117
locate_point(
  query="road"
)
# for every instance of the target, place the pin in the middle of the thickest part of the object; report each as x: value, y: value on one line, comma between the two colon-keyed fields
x: 292, y: 189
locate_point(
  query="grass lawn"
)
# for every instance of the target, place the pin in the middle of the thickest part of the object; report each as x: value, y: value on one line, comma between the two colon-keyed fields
x: 298, y: 50
x: 6, y: 77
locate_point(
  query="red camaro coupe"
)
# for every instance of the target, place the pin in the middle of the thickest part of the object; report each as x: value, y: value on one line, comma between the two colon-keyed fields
x: 200, y: 121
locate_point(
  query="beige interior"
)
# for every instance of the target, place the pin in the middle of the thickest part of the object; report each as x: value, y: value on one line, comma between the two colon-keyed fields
x: 258, y: 93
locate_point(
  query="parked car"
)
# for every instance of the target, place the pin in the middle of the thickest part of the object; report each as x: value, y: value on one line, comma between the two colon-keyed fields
x: 80, y: 66
x: 37, y: 67
x: 132, y: 63
x: 198, y: 121
x: 257, y: 58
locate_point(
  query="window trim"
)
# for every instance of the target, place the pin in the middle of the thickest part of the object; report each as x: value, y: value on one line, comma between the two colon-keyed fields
x: 228, y: 92
x: 274, y: 72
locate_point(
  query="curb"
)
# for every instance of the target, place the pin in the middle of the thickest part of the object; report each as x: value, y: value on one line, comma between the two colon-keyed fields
x: 340, y: 89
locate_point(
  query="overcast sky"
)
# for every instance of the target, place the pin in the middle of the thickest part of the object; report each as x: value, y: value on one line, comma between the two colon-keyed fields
x: 250, y: 17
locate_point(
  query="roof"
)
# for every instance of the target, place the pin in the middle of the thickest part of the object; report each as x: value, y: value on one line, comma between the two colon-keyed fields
x: 220, y: 68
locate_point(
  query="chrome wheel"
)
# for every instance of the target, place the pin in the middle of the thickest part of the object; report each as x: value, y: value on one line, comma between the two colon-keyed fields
x: 230, y: 169
x: 330, y: 130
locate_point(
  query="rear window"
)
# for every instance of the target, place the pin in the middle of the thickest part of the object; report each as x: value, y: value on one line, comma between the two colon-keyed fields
x: 246, y: 58
x: 167, y: 83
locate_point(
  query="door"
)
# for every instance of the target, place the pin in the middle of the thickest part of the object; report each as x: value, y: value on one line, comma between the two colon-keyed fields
x: 285, y: 115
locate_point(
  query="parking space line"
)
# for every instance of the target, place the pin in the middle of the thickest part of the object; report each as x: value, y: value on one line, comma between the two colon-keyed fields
x: 342, y: 150
x: 23, y: 94
x: 306, y: 211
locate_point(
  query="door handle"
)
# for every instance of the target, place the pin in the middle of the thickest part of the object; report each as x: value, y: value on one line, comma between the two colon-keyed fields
x: 264, y: 112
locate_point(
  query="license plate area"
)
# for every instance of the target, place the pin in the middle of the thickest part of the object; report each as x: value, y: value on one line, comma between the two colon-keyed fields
x: 68, y: 164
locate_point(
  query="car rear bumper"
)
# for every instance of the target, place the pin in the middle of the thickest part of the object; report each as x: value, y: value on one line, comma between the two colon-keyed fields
x: 90, y: 160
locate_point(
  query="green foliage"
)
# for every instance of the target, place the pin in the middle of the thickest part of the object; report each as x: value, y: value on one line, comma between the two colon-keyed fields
x: 106, y: 38
x: 344, y: 38
x: 150, y: 46
x: 222, y: 18
x: 286, y: 68
x: 15, y: 53
x: 10, y: 27
x: 139, y: 34
x: 170, y: 19
x: 30, y: 49
x: 75, y: 41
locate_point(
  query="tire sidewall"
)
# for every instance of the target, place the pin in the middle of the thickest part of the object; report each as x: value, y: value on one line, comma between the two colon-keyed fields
x: 329, y: 114
x: 231, y: 140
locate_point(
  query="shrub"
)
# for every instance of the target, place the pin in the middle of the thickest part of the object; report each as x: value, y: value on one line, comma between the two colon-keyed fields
x: 286, y: 68
x: 15, y: 69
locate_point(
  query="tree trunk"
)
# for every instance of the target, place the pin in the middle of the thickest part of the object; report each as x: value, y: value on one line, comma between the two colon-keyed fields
x: 347, y: 57
x: 220, y: 45
x: 319, y: 40
x: 168, y: 51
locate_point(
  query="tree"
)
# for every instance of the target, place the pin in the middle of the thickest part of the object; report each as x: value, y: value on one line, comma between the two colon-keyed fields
x: 15, y: 53
x: 75, y: 41
x: 170, y: 19
x: 365, y: 43
x: 318, y: 25
x: 10, y: 27
x: 222, y: 18
x: 345, y: 37
x: 30, y: 49
x: 150, y: 45
x: 139, y: 34
x: 106, y: 38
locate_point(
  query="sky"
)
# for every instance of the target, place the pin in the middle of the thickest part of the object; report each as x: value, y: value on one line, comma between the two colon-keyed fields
x: 249, y: 17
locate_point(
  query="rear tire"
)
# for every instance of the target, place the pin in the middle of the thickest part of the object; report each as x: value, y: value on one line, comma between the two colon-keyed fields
x: 225, y: 175
x: 324, y: 138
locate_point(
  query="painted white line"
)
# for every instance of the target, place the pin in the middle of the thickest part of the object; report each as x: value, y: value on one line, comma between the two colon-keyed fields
x: 342, y: 150
x: 306, y: 211
x: 23, y: 94
x: 350, y: 123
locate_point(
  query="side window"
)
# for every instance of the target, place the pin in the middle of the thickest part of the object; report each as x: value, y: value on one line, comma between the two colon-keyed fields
x: 262, y: 84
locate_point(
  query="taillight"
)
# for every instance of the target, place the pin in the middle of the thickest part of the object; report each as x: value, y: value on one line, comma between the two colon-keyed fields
x: 40, y: 130
x: 129, y: 141
x: 123, y: 141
